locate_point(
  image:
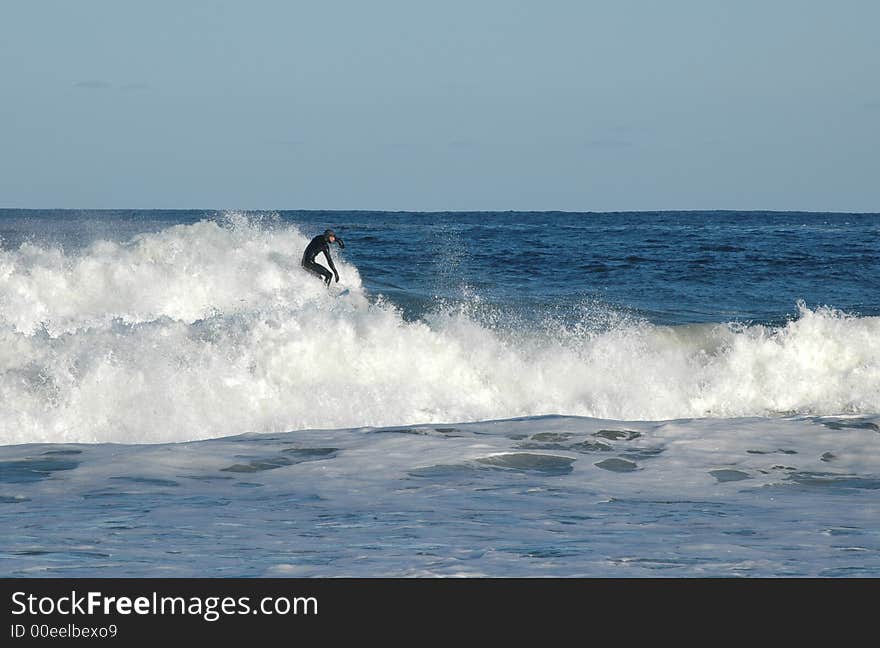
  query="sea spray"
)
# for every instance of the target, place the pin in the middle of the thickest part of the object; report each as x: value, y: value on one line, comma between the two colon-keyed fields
x: 211, y: 329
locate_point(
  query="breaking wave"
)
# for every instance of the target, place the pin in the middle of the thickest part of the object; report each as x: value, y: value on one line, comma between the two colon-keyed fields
x: 212, y: 329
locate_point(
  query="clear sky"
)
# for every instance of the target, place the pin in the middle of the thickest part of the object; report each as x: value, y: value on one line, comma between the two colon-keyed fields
x: 441, y: 105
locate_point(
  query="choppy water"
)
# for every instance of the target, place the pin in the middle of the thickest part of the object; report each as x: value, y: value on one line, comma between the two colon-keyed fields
x: 495, y: 394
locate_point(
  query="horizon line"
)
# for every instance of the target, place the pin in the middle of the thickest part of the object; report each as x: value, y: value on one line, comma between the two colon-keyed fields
x: 450, y: 211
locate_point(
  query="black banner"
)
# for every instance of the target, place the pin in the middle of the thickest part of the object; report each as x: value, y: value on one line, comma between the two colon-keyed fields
x: 125, y: 611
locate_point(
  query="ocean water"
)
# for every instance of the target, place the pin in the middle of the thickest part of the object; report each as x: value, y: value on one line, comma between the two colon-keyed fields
x: 482, y: 394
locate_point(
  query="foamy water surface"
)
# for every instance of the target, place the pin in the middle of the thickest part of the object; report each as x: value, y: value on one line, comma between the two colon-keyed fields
x: 178, y: 398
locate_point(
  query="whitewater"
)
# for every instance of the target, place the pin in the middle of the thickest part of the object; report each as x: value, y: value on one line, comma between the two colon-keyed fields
x: 179, y: 398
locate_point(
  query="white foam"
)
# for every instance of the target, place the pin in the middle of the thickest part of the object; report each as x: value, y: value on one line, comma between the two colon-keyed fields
x: 212, y: 329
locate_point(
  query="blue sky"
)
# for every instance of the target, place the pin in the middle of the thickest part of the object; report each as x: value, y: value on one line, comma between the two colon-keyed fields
x: 409, y: 105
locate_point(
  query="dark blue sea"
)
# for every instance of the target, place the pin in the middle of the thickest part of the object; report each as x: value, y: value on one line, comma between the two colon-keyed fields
x: 480, y: 394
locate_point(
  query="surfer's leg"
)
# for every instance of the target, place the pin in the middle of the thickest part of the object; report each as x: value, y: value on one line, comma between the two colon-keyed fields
x: 318, y: 270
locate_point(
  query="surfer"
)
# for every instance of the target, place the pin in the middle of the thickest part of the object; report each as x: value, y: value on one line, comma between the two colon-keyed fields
x: 321, y: 243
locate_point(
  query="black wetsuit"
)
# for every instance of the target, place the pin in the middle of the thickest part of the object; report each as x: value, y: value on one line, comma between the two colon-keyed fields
x: 318, y: 245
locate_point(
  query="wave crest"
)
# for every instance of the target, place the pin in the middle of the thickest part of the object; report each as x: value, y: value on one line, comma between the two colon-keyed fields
x: 212, y: 329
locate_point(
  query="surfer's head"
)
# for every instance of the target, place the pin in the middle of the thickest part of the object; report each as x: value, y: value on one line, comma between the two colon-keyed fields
x: 329, y: 235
